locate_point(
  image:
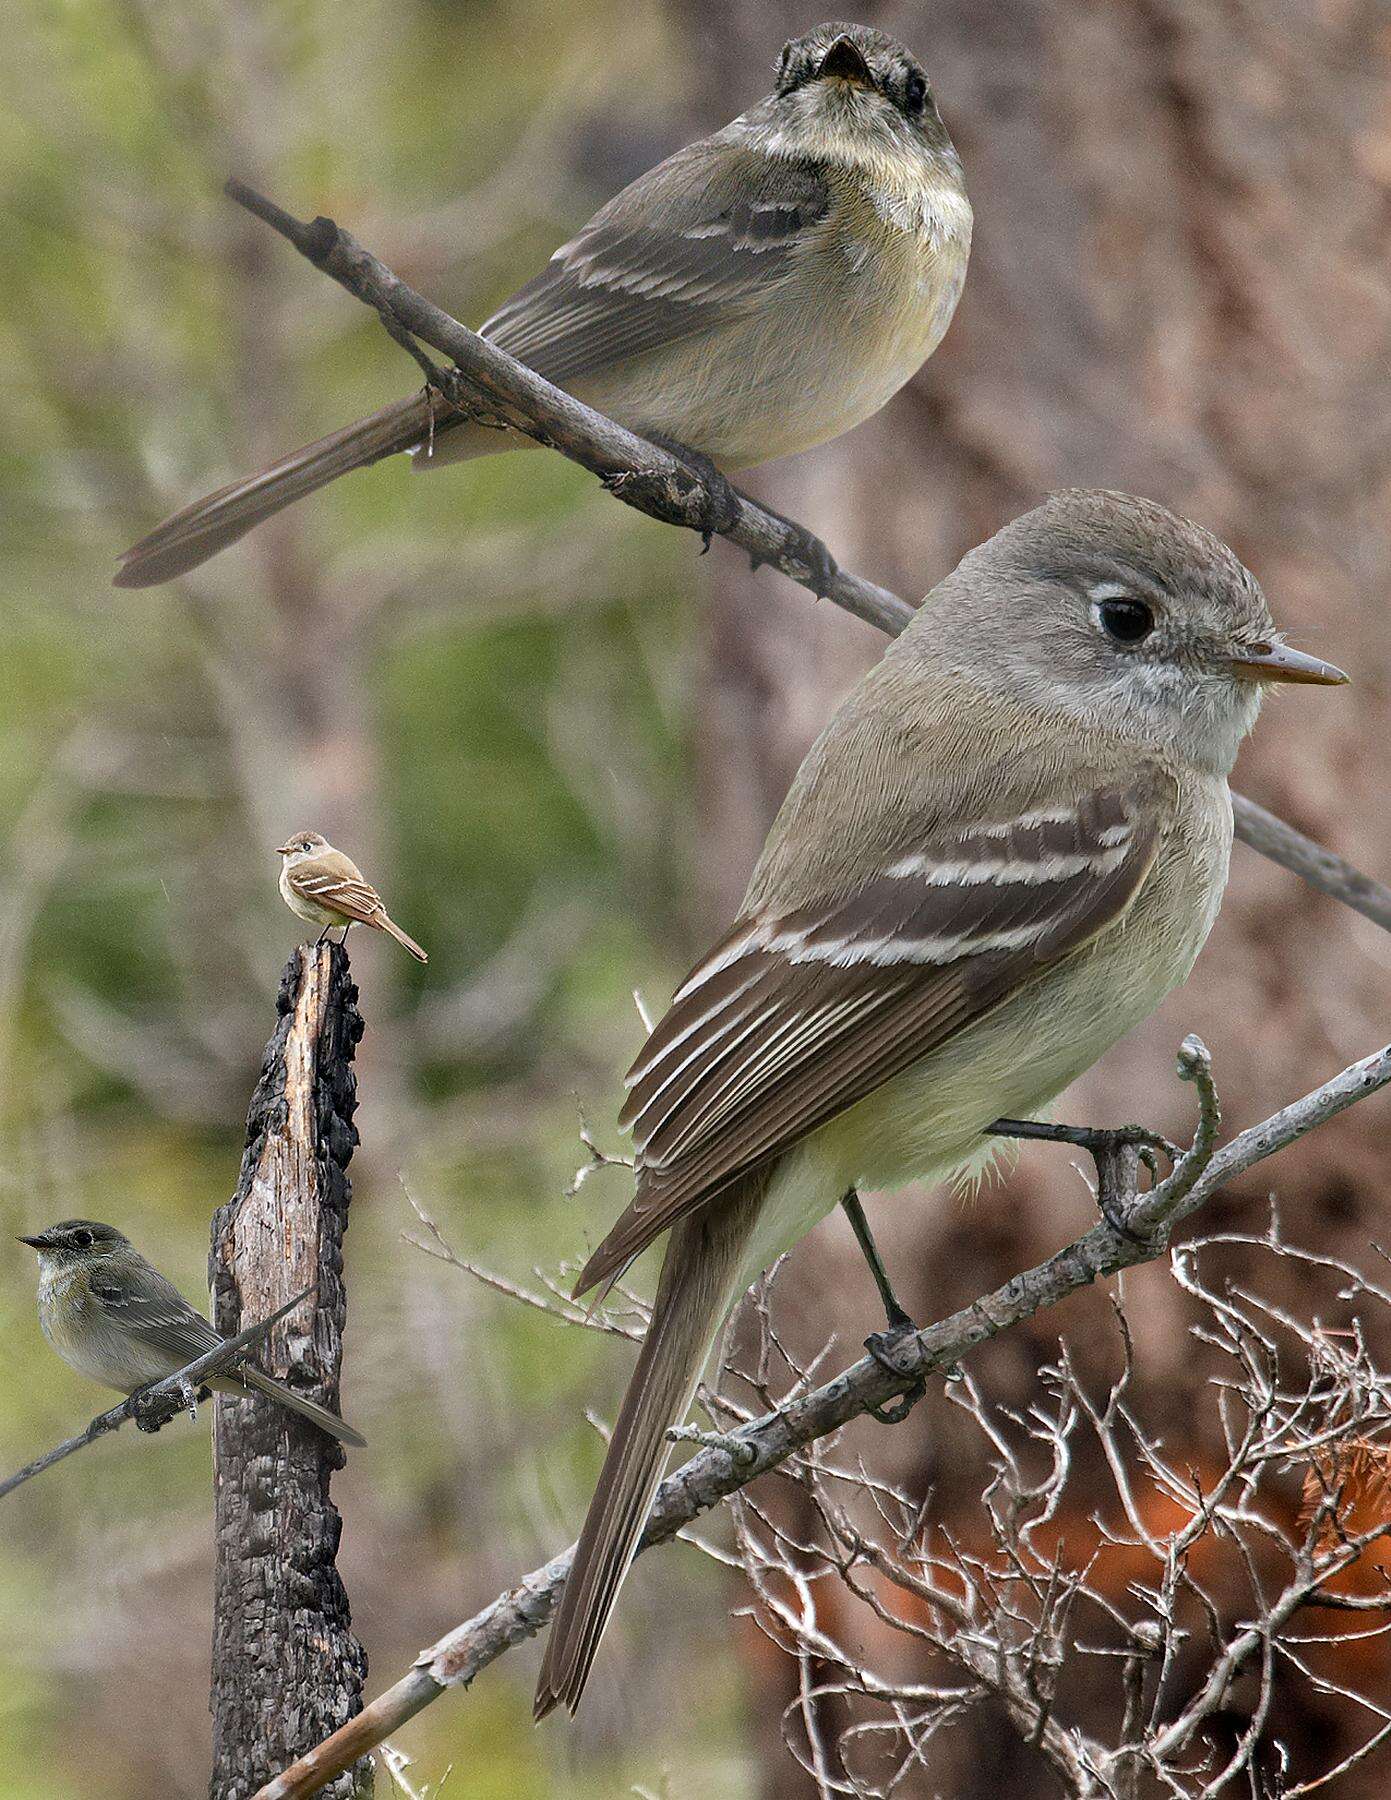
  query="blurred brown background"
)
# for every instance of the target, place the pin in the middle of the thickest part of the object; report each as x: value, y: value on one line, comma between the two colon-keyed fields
x: 507, y: 696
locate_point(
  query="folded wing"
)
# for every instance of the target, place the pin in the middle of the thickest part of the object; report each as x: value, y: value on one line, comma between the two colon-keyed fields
x: 158, y: 1315
x: 795, y: 1017
x: 334, y: 882
x: 730, y: 223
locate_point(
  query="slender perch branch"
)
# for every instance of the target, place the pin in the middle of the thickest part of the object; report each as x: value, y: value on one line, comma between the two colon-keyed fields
x: 155, y: 1405
x: 494, y: 387
x: 489, y: 384
x: 1145, y: 1222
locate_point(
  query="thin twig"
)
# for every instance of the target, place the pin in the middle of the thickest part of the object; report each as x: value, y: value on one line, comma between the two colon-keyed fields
x: 154, y: 1405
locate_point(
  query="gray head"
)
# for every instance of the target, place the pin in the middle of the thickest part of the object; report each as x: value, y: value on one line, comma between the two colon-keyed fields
x: 301, y: 845
x: 75, y: 1241
x: 1132, y: 620
x: 843, y: 77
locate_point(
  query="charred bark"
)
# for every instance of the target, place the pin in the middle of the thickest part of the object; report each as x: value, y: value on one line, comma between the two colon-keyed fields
x: 286, y: 1666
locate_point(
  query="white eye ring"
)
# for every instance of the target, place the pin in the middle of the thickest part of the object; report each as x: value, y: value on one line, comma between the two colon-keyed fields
x: 1122, y: 614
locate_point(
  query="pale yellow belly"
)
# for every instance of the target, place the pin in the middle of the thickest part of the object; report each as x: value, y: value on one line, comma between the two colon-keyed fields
x: 791, y: 375
x: 305, y: 908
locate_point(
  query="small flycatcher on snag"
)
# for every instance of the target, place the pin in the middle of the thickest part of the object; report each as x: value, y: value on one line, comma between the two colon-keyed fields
x: 323, y: 887
x: 1001, y: 854
x: 114, y: 1318
x: 759, y: 292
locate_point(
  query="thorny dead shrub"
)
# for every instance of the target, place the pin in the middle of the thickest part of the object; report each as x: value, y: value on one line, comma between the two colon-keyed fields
x: 1182, y: 1610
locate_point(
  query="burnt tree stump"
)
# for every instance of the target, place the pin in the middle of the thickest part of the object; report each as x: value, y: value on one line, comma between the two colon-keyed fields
x: 287, y: 1669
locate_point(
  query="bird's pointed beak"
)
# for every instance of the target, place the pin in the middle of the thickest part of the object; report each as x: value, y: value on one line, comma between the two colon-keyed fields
x: 284, y: 850
x: 1278, y: 662
x: 845, y: 61
x: 38, y: 1242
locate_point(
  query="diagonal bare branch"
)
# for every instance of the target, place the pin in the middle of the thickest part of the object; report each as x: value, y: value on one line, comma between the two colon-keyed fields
x: 493, y: 387
x: 1141, y: 1232
x: 155, y: 1405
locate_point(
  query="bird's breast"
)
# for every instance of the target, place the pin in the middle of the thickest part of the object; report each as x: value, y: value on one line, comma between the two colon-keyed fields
x: 308, y: 910
x: 883, y: 283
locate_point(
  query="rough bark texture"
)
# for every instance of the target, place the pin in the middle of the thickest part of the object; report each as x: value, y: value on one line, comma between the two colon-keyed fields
x: 1178, y: 287
x: 286, y: 1666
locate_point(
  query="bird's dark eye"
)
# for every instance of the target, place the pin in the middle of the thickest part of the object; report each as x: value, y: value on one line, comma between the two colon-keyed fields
x: 83, y: 1239
x: 914, y: 95
x: 306, y: 845
x: 1127, y: 621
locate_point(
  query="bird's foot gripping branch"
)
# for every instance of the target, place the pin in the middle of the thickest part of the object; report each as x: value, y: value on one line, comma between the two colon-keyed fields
x: 1144, y: 1216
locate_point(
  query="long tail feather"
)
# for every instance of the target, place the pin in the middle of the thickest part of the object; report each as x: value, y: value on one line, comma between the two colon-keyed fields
x: 199, y: 530
x: 392, y: 929
x: 297, y: 1403
x: 696, y: 1290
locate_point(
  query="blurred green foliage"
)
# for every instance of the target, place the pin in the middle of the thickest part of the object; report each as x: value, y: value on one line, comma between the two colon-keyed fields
x: 478, y: 683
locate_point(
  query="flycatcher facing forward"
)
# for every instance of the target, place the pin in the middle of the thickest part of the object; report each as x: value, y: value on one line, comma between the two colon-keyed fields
x: 114, y: 1318
x: 759, y: 292
x: 1002, y: 853
x: 322, y: 886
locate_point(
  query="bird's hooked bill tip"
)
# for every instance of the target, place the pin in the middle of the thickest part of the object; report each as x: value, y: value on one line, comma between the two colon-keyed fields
x: 1278, y: 662
x: 845, y: 61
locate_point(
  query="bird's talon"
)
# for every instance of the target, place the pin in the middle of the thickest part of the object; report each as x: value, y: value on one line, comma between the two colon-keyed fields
x: 896, y: 1411
x: 148, y: 1414
x: 881, y: 1346
x: 1095, y: 1140
x: 822, y: 568
x: 1115, y: 1217
x: 720, y: 504
x: 1149, y: 1144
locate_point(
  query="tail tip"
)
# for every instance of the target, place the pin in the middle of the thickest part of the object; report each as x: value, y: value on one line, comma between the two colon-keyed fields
x: 145, y: 566
x: 385, y: 922
x: 548, y: 1697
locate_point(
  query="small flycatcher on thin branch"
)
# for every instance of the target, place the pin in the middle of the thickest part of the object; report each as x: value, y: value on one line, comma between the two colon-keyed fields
x: 759, y: 292
x: 113, y: 1317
